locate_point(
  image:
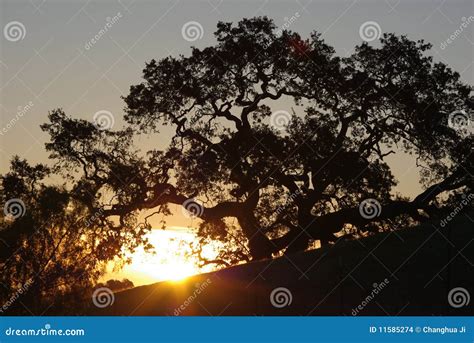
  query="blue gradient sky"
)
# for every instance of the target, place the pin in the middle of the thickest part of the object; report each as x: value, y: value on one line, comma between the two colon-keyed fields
x: 51, y: 67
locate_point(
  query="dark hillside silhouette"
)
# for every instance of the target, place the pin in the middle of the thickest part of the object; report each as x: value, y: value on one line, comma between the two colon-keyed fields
x: 328, y: 281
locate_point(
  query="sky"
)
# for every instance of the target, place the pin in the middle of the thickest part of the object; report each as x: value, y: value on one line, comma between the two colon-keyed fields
x: 55, y: 64
x: 170, y: 259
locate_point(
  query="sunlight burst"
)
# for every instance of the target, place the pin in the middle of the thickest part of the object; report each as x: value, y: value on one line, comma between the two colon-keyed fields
x: 169, y: 262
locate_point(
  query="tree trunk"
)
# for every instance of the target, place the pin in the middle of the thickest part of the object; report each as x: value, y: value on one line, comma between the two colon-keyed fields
x: 259, y: 244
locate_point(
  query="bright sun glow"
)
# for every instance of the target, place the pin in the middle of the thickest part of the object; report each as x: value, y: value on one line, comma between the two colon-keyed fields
x: 168, y: 263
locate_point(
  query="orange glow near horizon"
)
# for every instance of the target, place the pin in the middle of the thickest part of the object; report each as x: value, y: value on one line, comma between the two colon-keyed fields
x: 168, y: 262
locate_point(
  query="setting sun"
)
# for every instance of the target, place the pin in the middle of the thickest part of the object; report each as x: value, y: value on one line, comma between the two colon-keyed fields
x: 168, y: 262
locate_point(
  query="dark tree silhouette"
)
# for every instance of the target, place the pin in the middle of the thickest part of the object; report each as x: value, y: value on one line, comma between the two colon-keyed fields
x: 259, y: 187
x: 117, y: 285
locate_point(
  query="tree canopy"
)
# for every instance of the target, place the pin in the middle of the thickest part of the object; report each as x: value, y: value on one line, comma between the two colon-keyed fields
x: 264, y: 178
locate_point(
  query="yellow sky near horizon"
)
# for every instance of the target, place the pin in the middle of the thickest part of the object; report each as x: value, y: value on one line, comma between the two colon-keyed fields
x: 169, y: 261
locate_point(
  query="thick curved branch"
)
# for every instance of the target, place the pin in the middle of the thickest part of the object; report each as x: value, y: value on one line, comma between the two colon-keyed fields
x: 322, y: 227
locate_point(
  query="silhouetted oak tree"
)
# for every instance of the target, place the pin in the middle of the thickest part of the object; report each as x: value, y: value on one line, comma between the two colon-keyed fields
x: 266, y: 188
